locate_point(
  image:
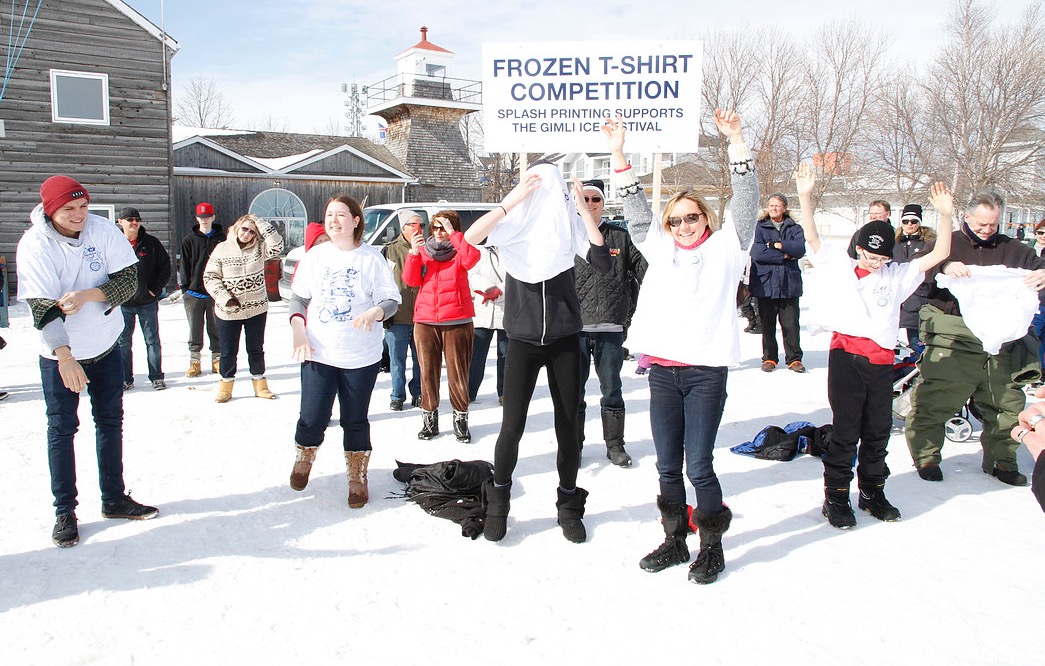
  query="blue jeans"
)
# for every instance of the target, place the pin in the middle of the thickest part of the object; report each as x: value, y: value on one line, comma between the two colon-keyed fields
x: 480, y: 350
x: 148, y: 315
x: 398, y: 337
x: 228, y: 338
x: 1038, y: 325
x: 105, y: 389
x: 685, y: 409
x: 353, y: 388
x: 607, y: 348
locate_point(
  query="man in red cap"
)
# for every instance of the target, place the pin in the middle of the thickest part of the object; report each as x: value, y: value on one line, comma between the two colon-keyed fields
x: 195, y: 251
x: 75, y: 270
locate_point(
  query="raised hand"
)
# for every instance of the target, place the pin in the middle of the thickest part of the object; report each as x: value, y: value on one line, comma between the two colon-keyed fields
x: 941, y: 199
x: 728, y: 123
x: 529, y: 183
x: 613, y: 129
x: 804, y: 179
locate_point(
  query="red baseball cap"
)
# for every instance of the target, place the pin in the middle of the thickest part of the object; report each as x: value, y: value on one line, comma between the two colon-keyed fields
x: 204, y: 210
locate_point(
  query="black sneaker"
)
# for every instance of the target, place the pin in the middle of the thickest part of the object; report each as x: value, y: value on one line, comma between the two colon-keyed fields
x: 1011, y: 477
x: 839, y: 513
x: 875, y: 503
x: 127, y: 386
x: 396, y: 405
x: 65, y: 534
x: 415, y: 401
x: 159, y: 385
x: 125, y: 507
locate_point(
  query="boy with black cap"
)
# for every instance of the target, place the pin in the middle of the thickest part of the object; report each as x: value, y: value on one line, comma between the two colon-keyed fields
x: 859, y: 301
x: 154, y: 270
x: 74, y: 269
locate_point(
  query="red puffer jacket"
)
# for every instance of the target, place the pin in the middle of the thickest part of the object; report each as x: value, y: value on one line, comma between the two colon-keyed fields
x: 444, y: 294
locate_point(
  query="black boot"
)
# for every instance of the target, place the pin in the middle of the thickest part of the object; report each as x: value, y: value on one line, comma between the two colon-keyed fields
x: 429, y: 424
x: 837, y: 509
x: 497, y: 500
x: 674, y: 550
x: 613, y: 433
x: 872, y: 500
x: 464, y: 435
x: 571, y: 510
x: 710, y: 560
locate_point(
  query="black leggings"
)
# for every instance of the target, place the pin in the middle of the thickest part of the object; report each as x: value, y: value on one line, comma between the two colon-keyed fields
x: 562, y: 360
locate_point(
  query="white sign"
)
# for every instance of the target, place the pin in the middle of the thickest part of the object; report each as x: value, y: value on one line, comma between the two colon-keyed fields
x: 554, y: 96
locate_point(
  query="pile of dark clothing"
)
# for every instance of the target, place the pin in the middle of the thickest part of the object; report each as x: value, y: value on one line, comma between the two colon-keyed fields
x: 776, y: 443
x: 451, y: 489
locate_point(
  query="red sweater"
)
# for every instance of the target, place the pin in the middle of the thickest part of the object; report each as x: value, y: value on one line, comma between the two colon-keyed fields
x: 444, y: 294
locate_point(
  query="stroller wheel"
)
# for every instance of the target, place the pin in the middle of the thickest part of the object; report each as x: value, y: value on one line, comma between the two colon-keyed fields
x: 957, y: 429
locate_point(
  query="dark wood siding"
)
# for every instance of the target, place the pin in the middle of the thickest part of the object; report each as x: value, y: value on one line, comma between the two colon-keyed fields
x: 347, y: 163
x: 125, y: 163
x: 205, y: 157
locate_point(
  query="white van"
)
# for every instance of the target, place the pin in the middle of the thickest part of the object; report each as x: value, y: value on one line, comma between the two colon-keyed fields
x: 382, y: 226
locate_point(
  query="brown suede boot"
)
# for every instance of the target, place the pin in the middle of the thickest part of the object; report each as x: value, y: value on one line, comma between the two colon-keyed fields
x: 302, y: 466
x: 214, y: 366
x: 194, y: 369
x: 261, y: 389
x: 224, y: 391
x: 358, y: 493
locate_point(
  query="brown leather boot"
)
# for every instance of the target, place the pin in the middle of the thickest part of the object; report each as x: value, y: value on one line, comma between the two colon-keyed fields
x: 306, y: 455
x: 194, y: 369
x: 261, y: 389
x: 224, y: 391
x: 358, y: 493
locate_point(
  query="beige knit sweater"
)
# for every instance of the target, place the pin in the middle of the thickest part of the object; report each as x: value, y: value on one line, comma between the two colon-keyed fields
x: 240, y: 271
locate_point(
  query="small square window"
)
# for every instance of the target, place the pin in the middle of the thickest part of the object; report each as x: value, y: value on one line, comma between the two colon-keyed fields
x: 107, y: 211
x: 79, y: 97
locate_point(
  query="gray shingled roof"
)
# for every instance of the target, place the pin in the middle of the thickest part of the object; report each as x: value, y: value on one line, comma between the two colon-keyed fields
x: 270, y: 145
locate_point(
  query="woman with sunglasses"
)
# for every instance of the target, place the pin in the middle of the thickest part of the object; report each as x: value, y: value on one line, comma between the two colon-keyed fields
x: 235, y: 279
x: 686, y: 322
x: 912, y: 241
x: 443, y: 313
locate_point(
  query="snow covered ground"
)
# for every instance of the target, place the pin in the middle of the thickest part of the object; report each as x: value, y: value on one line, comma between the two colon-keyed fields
x: 238, y: 568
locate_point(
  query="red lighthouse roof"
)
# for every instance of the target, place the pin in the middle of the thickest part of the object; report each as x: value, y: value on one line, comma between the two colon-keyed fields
x: 425, y: 44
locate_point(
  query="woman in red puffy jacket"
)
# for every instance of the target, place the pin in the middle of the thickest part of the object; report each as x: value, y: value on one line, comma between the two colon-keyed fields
x: 442, y: 318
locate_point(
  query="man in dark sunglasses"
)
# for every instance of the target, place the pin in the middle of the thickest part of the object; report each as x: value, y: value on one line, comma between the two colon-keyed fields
x: 607, y: 303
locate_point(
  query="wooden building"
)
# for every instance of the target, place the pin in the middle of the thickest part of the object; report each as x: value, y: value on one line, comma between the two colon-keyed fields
x: 283, y: 177
x: 89, y: 96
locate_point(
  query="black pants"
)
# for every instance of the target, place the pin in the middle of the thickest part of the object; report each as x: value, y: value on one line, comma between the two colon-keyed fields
x: 861, y: 397
x: 562, y: 360
x: 228, y: 334
x: 786, y: 310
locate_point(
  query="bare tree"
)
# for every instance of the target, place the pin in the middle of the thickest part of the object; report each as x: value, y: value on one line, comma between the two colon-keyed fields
x: 201, y: 104
x: 987, y: 94
x: 269, y: 123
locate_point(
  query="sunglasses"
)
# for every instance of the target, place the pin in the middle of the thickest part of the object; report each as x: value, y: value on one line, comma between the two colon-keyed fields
x: 691, y: 218
x: 910, y: 222
x: 592, y: 199
x: 1040, y: 233
x: 248, y: 230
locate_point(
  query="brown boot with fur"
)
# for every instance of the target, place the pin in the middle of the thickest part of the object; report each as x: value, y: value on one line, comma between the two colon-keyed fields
x: 224, y: 391
x: 261, y: 389
x: 358, y: 493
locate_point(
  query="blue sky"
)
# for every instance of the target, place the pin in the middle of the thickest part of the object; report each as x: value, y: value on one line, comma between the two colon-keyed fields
x: 288, y: 59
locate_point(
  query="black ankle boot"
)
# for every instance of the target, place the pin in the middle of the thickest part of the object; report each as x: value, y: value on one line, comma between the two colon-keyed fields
x: 675, y: 518
x: 497, y: 500
x: 461, y: 430
x: 837, y: 509
x: 571, y: 510
x: 429, y: 424
x: 710, y: 560
x: 872, y: 500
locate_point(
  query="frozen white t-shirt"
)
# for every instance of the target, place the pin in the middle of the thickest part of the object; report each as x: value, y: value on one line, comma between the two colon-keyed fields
x: 867, y: 307
x: 338, y: 285
x: 49, y: 267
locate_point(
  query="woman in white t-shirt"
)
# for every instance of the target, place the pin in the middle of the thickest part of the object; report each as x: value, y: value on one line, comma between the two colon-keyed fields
x: 341, y: 289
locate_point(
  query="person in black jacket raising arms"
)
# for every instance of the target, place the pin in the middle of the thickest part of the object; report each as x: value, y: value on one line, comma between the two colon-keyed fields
x: 538, y: 230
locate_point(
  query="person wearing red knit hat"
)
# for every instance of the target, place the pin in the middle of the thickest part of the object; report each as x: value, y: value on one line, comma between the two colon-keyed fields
x: 74, y: 270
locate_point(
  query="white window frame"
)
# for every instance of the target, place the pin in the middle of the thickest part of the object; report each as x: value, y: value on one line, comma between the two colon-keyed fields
x: 105, y: 210
x: 104, y: 78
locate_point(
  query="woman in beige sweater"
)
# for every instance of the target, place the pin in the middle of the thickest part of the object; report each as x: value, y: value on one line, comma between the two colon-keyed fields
x: 235, y: 278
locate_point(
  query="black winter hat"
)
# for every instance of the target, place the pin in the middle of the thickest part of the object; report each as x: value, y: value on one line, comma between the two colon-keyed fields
x: 877, y: 237
x: 912, y: 212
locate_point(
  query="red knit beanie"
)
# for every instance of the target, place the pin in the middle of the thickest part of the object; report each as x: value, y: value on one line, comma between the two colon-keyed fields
x: 313, y: 231
x: 60, y: 190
